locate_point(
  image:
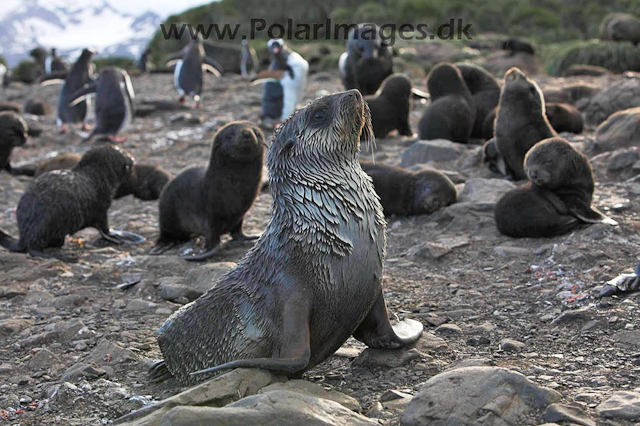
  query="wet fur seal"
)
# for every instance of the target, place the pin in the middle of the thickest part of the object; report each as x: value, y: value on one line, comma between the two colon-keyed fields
x: 564, y: 117
x: 485, y: 91
x: 557, y: 198
x: 113, y: 102
x: 314, y: 277
x: 367, y: 61
x: 391, y: 106
x: 212, y: 201
x: 520, y: 121
x: 62, y: 202
x: 452, y: 113
x: 13, y: 133
x: 408, y: 193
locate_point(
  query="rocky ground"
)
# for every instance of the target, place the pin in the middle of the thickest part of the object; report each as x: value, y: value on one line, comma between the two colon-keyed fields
x: 76, y: 338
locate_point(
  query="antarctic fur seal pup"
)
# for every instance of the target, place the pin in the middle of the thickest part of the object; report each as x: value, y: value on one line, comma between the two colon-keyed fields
x: 13, y: 132
x: 407, y: 193
x: 36, y: 106
x: 514, y: 46
x: 564, y: 117
x: 391, y: 106
x: 367, y: 61
x: 113, y: 102
x: 314, y: 277
x: 452, y: 113
x: 557, y: 198
x: 520, y: 121
x: 145, y: 182
x: 212, y: 201
x: 190, y: 64
x: 486, y: 94
x: 60, y: 203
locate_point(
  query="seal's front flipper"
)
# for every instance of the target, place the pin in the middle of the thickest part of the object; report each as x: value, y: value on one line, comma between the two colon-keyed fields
x: 588, y: 214
x: 122, y: 237
x: 202, y: 256
x: 238, y: 235
x: 295, y: 352
x: 376, y: 331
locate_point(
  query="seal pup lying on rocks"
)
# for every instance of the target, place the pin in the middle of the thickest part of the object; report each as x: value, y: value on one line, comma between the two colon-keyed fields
x: 62, y: 202
x: 557, y: 198
x: 212, y: 201
x: 406, y: 193
x: 314, y: 277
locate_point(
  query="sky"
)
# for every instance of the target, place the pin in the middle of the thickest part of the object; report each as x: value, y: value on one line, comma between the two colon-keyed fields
x: 163, y: 8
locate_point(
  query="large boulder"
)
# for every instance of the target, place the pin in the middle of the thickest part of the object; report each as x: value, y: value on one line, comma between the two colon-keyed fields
x: 621, y: 405
x: 620, y: 27
x: 437, y: 150
x: 488, y: 396
x: 621, y: 95
x: 621, y: 130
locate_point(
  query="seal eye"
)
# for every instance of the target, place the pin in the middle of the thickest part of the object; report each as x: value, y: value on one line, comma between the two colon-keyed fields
x: 288, y: 144
x: 320, y: 114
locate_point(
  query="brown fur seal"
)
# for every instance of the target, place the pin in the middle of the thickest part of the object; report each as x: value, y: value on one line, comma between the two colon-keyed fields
x: 407, y: 193
x: 212, y: 201
x: 558, y: 197
x: 391, y: 106
x: 564, y: 117
x: 452, y: 113
x: 486, y: 94
x: 60, y: 203
x: 13, y: 132
x: 314, y: 277
x: 520, y: 121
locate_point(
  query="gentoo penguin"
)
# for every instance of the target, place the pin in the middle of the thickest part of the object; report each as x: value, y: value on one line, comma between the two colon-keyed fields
x: 248, y: 59
x: 80, y: 74
x: 54, y: 63
x: 113, y: 102
x: 367, y: 61
x: 285, y: 81
x: 3, y: 74
x: 190, y: 64
x: 144, y: 63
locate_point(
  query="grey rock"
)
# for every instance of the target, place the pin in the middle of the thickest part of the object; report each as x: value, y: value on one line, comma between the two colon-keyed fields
x: 631, y: 337
x: 43, y: 358
x: 567, y: 413
x: 437, y: 150
x: 476, y: 395
x: 621, y: 95
x: 275, y: 408
x: 621, y: 405
x: 511, y: 345
x: 107, y: 353
x: 390, y: 358
x: 139, y: 305
x: 173, y: 291
x: 622, y: 158
x: 448, y: 329
x: 83, y: 371
x: 308, y: 388
x: 203, y: 277
x: 479, y: 190
x: 620, y: 130
x: 429, y: 342
x: 217, y: 392
x: 13, y: 325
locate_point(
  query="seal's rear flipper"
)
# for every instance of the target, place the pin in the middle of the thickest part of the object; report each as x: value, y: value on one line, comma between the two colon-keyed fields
x: 10, y: 243
x: 590, y: 214
x: 122, y: 237
x: 159, y: 372
x: 28, y: 170
x: 376, y: 330
x: 284, y: 365
x: 202, y: 256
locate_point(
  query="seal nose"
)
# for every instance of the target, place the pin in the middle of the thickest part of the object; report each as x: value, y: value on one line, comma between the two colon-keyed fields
x: 353, y: 95
x: 246, y: 133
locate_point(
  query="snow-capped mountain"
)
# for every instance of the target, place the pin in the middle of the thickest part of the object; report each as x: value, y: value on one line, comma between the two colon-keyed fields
x: 70, y: 25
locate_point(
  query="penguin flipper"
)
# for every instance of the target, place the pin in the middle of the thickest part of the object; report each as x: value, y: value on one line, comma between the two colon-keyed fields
x: 53, y: 77
x: 421, y: 94
x: 83, y: 93
x: 172, y: 62
x: 211, y: 65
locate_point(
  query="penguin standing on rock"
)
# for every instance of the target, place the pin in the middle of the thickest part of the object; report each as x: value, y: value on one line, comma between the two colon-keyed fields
x: 80, y: 74
x: 113, y: 101
x: 54, y: 63
x: 190, y: 64
x: 285, y: 81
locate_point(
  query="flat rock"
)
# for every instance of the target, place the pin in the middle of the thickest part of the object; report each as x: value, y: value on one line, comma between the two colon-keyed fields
x: 621, y: 405
x: 429, y: 342
x: 621, y: 95
x: 313, y: 389
x: 13, y: 325
x: 203, y: 277
x: 622, y: 158
x: 81, y: 371
x: 567, y: 413
x: 277, y: 408
x: 43, y: 358
x: 511, y: 345
x: 437, y: 150
x: 620, y: 130
x: 479, y: 190
x: 217, y: 392
x: 390, y: 358
x: 107, y: 353
x: 140, y: 305
x: 476, y: 395
x: 631, y: 337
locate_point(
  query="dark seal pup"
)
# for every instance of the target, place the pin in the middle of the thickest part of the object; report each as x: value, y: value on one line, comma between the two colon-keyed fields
x: 486, y: 95
x: 407, y: 193
x: 113, y: 102
x: 520, y: 121
x: 557, y: 198
x: 212, y: 201
x: 391, y: 106
x: 514, y: 46
x: 564, y: 117
x: 367, y: 61
x: 314, y: 277
x: 13, y: 132
x: 452, y: 113
x: 60, y: 203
